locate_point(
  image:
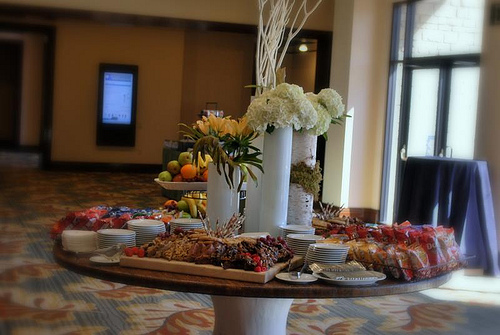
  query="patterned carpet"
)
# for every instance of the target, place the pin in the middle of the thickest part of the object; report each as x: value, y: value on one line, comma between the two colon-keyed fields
x: 38, y: 296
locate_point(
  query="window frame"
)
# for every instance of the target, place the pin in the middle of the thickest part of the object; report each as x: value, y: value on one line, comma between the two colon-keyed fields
x: 445, y: 64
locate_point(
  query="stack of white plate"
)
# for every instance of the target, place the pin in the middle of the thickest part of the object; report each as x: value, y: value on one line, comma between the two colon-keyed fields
x: 296, y: 229
x: 110, y: 237
x: 185, y: 224
x: 300, y: 242
x: 146, y: 230
x: 327, y: 253
x: 79, y: 240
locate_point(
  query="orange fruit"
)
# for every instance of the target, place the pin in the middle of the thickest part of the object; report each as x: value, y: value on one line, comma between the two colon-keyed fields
x: 177, y: 178
x: 204, y: 176
x: 170, y: 204
x: 188, y: 171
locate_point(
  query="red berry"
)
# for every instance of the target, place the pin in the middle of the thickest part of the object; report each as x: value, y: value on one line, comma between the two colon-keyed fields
x: 256, y: 258
x: 264, y: 269
x: 129, y: 252
x: 135, y: 250
x: 141, y: 252
x: 258, y: 269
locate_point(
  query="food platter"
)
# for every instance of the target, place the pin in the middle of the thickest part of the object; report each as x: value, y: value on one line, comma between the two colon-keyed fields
x: 182, y: 185
x: 206, y: 270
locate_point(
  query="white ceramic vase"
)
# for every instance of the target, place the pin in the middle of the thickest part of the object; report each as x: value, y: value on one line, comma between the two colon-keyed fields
x: 254, y: 195
x: 275, y: 180
x: 222, y: 201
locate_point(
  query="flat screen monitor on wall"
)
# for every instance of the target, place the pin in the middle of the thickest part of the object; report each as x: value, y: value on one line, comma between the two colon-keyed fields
x: 117, y: 101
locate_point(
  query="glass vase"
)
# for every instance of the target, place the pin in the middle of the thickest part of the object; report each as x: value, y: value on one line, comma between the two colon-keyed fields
x: 275, y: 180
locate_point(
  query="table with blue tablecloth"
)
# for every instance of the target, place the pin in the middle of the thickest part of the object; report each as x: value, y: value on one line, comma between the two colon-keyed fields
x: 453, y: 193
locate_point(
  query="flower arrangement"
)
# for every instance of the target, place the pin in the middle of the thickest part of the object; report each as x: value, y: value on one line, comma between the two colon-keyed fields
x: 284, y: 106
x: 229, y: 143
x: 288, y: 106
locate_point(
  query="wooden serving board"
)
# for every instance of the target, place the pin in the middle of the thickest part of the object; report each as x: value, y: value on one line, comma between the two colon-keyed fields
x: 206, y: 270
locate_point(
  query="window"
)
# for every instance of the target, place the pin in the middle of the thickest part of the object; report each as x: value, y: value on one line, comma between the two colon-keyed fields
x: 433, y: 86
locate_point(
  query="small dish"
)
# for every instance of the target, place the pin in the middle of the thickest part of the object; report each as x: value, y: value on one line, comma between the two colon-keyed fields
x: 351, y: 279
x: 104, y: 260
x: 305, y: 278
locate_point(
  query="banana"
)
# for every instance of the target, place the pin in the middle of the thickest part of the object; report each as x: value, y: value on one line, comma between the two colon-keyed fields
x: 192, y: 207
x: 203, y: 161
x: 201, y: 209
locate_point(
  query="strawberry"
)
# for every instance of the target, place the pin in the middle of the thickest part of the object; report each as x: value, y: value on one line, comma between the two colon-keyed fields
x: 129, y: 252
x: 141, y: 252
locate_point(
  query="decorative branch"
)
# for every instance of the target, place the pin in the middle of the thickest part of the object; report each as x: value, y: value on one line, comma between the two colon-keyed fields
x: 224, y: 230
x: 271, y: 36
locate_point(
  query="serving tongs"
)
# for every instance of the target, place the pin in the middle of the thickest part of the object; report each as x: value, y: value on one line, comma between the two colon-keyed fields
x: 295, y: 275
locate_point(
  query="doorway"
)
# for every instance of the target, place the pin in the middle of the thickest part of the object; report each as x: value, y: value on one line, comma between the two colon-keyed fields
x: 10, y: 92
x: 32, y: 133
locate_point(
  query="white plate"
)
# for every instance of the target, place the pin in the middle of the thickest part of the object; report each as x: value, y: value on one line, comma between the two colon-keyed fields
x: 305, y: 237
x: 189, y: 221
x: 140, y: 229
x: 115, y: 232
x: 297, y: 227
x: 372, y: 278
x: 104, y: 260
x: 187, y: 224
x: 305, y: 278
x: 145, y: 223
x: 329, y: 246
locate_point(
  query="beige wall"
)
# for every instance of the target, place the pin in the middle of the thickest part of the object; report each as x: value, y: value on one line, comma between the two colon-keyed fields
x: 217, y: 66
x: 80, y: 47
x: 487, y: 134
x: 360, y: 70
x: 231, y: 11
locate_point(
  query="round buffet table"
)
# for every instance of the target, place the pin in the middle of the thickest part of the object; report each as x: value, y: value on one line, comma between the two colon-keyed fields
x: 240, y: 307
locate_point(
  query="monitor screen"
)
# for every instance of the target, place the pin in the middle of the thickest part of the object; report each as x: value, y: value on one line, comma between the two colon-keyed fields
x: 117, y: 98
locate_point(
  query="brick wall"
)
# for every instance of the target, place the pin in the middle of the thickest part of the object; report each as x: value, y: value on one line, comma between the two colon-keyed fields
x: 444, y: 27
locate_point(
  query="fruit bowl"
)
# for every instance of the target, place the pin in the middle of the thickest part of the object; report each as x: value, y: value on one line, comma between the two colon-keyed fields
x: 182, y: 185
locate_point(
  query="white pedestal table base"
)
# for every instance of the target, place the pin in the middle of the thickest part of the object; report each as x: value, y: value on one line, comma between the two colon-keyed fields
x: 250, y: 316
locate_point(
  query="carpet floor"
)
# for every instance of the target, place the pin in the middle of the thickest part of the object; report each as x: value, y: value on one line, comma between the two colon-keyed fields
x: 37, y: 296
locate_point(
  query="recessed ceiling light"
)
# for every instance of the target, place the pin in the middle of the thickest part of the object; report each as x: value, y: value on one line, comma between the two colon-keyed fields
x: 303, y: 48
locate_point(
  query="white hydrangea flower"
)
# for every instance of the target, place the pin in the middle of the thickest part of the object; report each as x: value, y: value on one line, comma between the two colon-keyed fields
x: 282, y: 107
x: 332, y: 101
x: 324, y: 118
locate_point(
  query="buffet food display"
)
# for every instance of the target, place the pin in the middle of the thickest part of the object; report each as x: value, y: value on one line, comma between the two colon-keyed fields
x: 168, y: 242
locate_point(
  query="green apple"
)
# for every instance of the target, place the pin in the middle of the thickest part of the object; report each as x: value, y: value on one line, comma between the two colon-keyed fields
x: 165, y: 176
x: 185, y: 158
x: 185, y: 215
x: 174, y: 167
x: 183, y: 206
